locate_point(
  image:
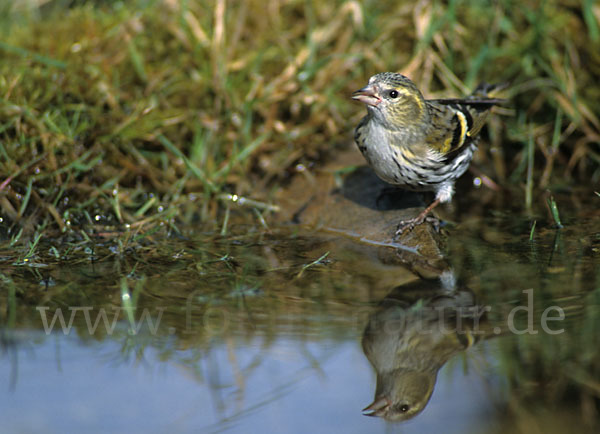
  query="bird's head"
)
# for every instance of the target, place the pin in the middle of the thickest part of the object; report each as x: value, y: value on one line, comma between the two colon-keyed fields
x: 393, y: 100
x: 401, y: 394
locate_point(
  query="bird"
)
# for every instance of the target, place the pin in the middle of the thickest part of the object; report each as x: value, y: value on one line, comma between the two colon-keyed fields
x: 416, y: 143
x: 416, y: 329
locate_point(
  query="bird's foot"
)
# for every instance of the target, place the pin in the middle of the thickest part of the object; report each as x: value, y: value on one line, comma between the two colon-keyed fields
x: 406, y: 226
x: 409, y: 225
x: 434, y: 222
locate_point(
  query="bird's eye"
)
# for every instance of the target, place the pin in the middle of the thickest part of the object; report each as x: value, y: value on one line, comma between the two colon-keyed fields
x: 394, y: 94
x: 404, y: 408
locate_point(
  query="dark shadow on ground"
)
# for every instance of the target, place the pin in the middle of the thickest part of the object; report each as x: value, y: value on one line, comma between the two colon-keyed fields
x: 366, y: 189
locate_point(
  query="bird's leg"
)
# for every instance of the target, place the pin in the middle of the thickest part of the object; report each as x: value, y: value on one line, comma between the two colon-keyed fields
x: 408, y: 225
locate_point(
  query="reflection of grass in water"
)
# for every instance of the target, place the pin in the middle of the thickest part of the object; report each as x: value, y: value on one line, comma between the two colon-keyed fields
x: 542, y: 370
x: 251, y: 280
x: 277, y: 391
x: 143, y: 113
x: 223, y: 273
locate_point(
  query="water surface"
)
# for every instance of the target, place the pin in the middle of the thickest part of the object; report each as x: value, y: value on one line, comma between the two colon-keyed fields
x: 262, y: 332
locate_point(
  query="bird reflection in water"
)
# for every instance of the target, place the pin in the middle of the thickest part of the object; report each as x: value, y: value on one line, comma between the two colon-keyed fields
x: 415, y: 330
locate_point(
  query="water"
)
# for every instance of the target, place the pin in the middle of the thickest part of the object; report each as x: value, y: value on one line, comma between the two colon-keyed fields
x: 263, y: 333
x: 291, y: 387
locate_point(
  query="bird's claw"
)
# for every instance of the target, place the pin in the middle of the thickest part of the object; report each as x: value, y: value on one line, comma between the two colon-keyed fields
x: 406, y: 226
x: 434, y: 222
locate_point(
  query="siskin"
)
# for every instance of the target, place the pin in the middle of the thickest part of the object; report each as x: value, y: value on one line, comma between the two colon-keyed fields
x: 416, y: 329
x: 419, y: 144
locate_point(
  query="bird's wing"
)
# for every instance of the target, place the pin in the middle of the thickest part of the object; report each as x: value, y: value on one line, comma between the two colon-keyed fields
x: 454, y: 122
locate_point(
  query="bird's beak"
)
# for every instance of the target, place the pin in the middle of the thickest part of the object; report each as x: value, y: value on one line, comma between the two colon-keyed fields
x: 379, y: 407
x: 367, y: 95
